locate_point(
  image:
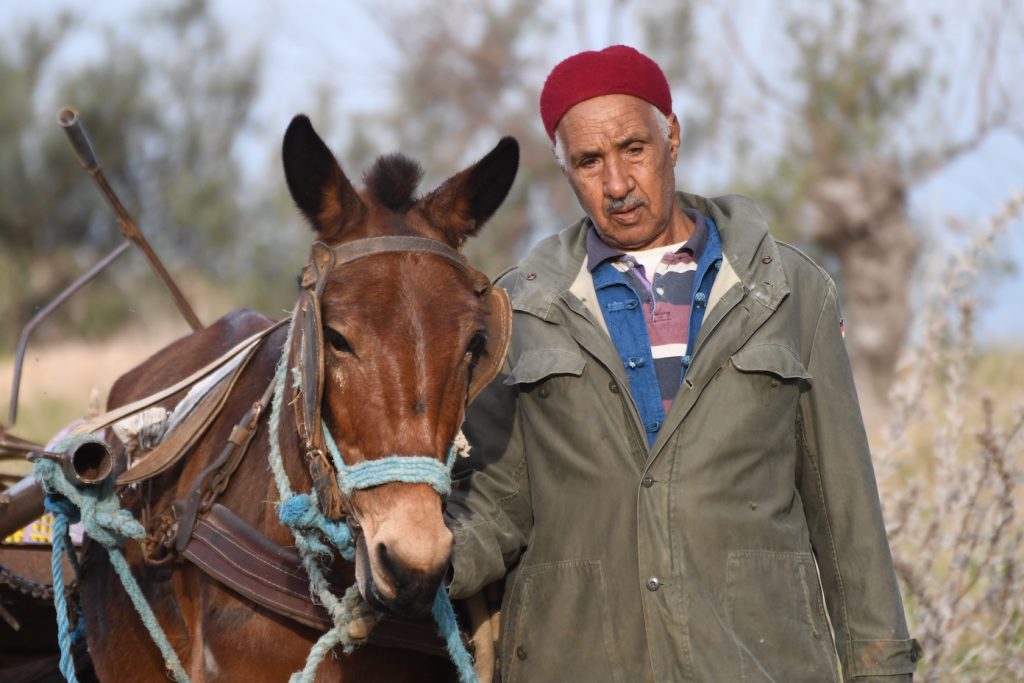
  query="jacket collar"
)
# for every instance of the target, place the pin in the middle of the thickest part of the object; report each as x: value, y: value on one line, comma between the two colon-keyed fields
x: 550, y: 268
x: 753, y: 255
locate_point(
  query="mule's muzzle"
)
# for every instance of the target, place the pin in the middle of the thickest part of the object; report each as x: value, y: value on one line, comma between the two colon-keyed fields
x: 394, y: 588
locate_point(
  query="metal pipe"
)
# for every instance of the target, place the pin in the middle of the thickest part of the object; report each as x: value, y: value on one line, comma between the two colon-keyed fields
x: 15, y: 446
x: 69, y: 121
x: 20, y: 505
x: 19, y: 358
x: 91, y: 462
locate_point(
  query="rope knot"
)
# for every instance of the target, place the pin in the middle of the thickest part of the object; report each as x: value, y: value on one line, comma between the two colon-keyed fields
x: 297, y: 512
x: 300, y: 513
x: 62, y: 507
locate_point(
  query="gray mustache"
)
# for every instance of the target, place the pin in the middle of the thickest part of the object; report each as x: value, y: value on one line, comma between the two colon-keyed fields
x: 624, y: 204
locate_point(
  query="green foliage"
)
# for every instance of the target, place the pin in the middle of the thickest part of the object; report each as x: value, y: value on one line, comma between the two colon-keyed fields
x: 854, y: 89
x: 164, y: 125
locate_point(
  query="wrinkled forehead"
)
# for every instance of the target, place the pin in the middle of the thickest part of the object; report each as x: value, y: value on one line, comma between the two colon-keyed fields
x: 609, y: 119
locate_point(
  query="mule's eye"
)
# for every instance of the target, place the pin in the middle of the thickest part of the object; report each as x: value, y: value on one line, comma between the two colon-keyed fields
x: 337, y: 341
x: 475, y: 348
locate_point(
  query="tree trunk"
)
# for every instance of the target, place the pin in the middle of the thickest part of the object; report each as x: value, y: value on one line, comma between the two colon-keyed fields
x: 862, y: 217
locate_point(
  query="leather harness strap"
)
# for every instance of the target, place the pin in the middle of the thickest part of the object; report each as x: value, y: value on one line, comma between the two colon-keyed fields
x: 106, y: 419
x: 237, y: 555
x: 351, y: 251
x: 213, y: 480
x: 231, y: 551
x: 170, y: 450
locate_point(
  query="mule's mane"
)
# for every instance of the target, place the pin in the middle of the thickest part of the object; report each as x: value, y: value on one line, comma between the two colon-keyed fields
x: 392, y: 181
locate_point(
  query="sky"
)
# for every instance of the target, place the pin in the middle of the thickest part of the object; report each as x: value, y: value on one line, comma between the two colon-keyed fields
x: 312, y: 42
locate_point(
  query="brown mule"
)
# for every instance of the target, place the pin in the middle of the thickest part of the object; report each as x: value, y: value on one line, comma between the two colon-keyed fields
x: 403, y: 334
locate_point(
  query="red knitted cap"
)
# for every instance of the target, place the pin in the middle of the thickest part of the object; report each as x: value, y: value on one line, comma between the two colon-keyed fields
x: 615, y: 70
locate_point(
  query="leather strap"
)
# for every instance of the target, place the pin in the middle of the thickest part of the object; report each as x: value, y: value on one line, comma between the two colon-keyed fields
x: 110, y: 417
x: 307, y: 354
x: 234, y: 553
x: 170, y: 450
x: 240, y: 557
x: 351, y: 251
x: 214, y: 479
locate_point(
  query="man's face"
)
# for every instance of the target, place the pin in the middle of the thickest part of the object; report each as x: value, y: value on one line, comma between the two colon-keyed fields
x: 620, y: 166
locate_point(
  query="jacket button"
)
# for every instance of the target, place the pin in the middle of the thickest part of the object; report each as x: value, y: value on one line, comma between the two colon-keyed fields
x: 531, y: 276
x: 653, y: 583
x: 521, y: 652
x: 613, y: 387
x: 543, y: 392
x: 647, y: 482
x: 766, y: 259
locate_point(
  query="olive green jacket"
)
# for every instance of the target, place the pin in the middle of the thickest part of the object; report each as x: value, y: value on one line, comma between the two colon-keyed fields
x: 705, y: 557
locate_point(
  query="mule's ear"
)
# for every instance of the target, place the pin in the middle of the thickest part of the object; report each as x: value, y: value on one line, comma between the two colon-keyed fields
x: 316, y: 181
x: 465, y: 201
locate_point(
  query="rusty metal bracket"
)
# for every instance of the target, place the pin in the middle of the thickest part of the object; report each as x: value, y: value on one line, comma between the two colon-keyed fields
x: 19, y: 357
x: 69, y: 121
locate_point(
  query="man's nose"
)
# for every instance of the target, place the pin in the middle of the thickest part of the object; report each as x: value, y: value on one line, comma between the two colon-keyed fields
x: 617, y: 181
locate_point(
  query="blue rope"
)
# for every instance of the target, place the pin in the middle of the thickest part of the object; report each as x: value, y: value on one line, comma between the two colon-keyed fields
x: 411, y: 469
x: 63, y: 514
x: 448, y: 629
x: 110, y: 526
x: 300, y: 513
x: 306, y: 520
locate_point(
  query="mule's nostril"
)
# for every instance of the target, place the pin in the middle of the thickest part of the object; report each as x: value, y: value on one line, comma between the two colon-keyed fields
x: 385, y: 561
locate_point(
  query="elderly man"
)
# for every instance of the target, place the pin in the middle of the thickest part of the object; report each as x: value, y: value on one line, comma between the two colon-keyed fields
x: 672, y: 469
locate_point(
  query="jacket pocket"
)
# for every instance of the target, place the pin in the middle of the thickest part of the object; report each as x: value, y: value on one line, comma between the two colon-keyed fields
x: 558, y: 626
x: 773, y: 604
x: 774, y: 360
x: 536, y: 364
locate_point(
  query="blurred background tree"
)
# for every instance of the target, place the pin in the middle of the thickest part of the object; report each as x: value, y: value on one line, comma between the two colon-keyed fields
x: 867, y: 105
x: 164, y: 124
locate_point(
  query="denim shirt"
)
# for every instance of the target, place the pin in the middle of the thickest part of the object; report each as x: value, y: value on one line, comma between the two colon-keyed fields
x: 624, y: 315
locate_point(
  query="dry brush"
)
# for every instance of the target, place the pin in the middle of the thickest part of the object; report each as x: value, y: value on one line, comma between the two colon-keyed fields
x: 950, y: 468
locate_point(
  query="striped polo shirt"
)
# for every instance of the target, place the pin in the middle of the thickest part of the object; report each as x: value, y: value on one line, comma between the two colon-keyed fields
x: 663, y: 279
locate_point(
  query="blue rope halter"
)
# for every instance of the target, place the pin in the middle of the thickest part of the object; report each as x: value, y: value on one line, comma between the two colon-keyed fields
x: 301, y: 514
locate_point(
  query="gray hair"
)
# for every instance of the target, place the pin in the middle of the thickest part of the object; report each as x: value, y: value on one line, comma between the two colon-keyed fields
x: 659, y: 118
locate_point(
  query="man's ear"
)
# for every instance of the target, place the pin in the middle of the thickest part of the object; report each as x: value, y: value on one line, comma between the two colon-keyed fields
x: 562, y: 163
x: 674, y: 137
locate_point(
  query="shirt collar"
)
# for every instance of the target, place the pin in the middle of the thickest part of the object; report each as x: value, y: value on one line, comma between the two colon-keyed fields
x: 598, y: 252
